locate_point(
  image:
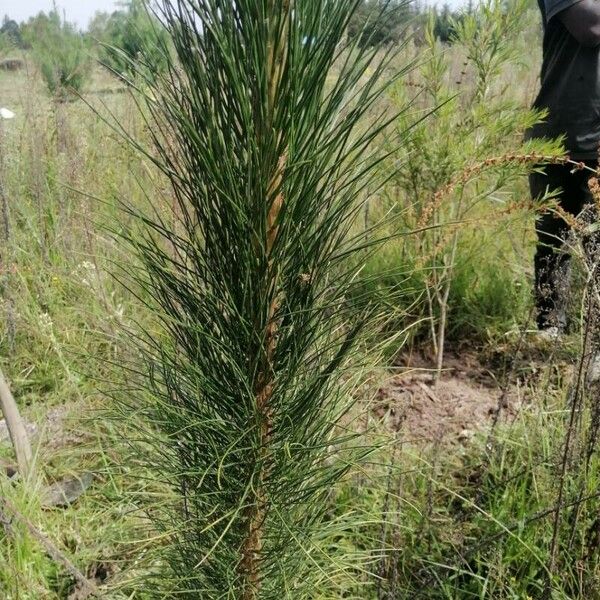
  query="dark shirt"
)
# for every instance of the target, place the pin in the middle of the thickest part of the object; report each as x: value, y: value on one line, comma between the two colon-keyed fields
x: 570, y: 86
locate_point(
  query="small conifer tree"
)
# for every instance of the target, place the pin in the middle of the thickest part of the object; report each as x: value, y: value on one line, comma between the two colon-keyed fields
x: 258, y: 127
x: 61, y: 54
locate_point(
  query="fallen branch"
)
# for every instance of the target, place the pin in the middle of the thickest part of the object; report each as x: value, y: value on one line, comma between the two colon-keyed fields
x: 51, y: 550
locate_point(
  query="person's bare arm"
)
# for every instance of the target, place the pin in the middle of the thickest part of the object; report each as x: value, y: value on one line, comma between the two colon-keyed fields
x: 583, y: 21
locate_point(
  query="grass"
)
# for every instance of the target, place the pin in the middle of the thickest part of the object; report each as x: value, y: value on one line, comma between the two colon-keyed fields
x: 476, y: 522
x: 60, y: 313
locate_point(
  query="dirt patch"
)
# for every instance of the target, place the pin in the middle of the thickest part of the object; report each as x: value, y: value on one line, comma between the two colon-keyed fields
x: 58, y: 428
x: 62, y: 427
x: 464, y: 402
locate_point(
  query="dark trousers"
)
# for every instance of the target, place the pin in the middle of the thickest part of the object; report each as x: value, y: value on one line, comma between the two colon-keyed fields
x: 551, y: 261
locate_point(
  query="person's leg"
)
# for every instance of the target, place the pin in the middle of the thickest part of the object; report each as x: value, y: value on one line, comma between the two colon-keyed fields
x: 591, y: 245
x: 551, y: 262
x: 589, y: 216
x: 552, y: 271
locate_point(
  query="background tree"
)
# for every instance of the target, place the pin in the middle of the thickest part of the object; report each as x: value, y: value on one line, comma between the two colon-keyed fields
x: 60, y: 52
x: 129, y: 37
x: 98, y: 25
x: 403, y: 19
x: 447, y: 21
x: 11, y: 32
x: 372, y: 30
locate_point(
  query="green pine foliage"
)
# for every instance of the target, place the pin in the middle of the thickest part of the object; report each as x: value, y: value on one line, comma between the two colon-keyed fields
x: 261, y: 141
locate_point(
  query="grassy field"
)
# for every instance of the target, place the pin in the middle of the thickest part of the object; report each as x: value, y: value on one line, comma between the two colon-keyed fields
x: 484, y: 484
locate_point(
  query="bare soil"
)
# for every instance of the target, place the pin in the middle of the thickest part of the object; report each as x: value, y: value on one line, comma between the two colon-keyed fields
x: 466, y: 400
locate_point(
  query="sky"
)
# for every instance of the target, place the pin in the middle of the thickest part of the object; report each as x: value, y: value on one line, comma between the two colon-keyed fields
x: 77, y: 11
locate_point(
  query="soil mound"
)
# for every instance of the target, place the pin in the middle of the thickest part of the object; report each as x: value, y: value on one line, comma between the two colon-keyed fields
x: 465, y: 401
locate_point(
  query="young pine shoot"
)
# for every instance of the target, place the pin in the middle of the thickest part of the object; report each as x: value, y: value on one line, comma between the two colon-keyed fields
x: 258, y: 127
